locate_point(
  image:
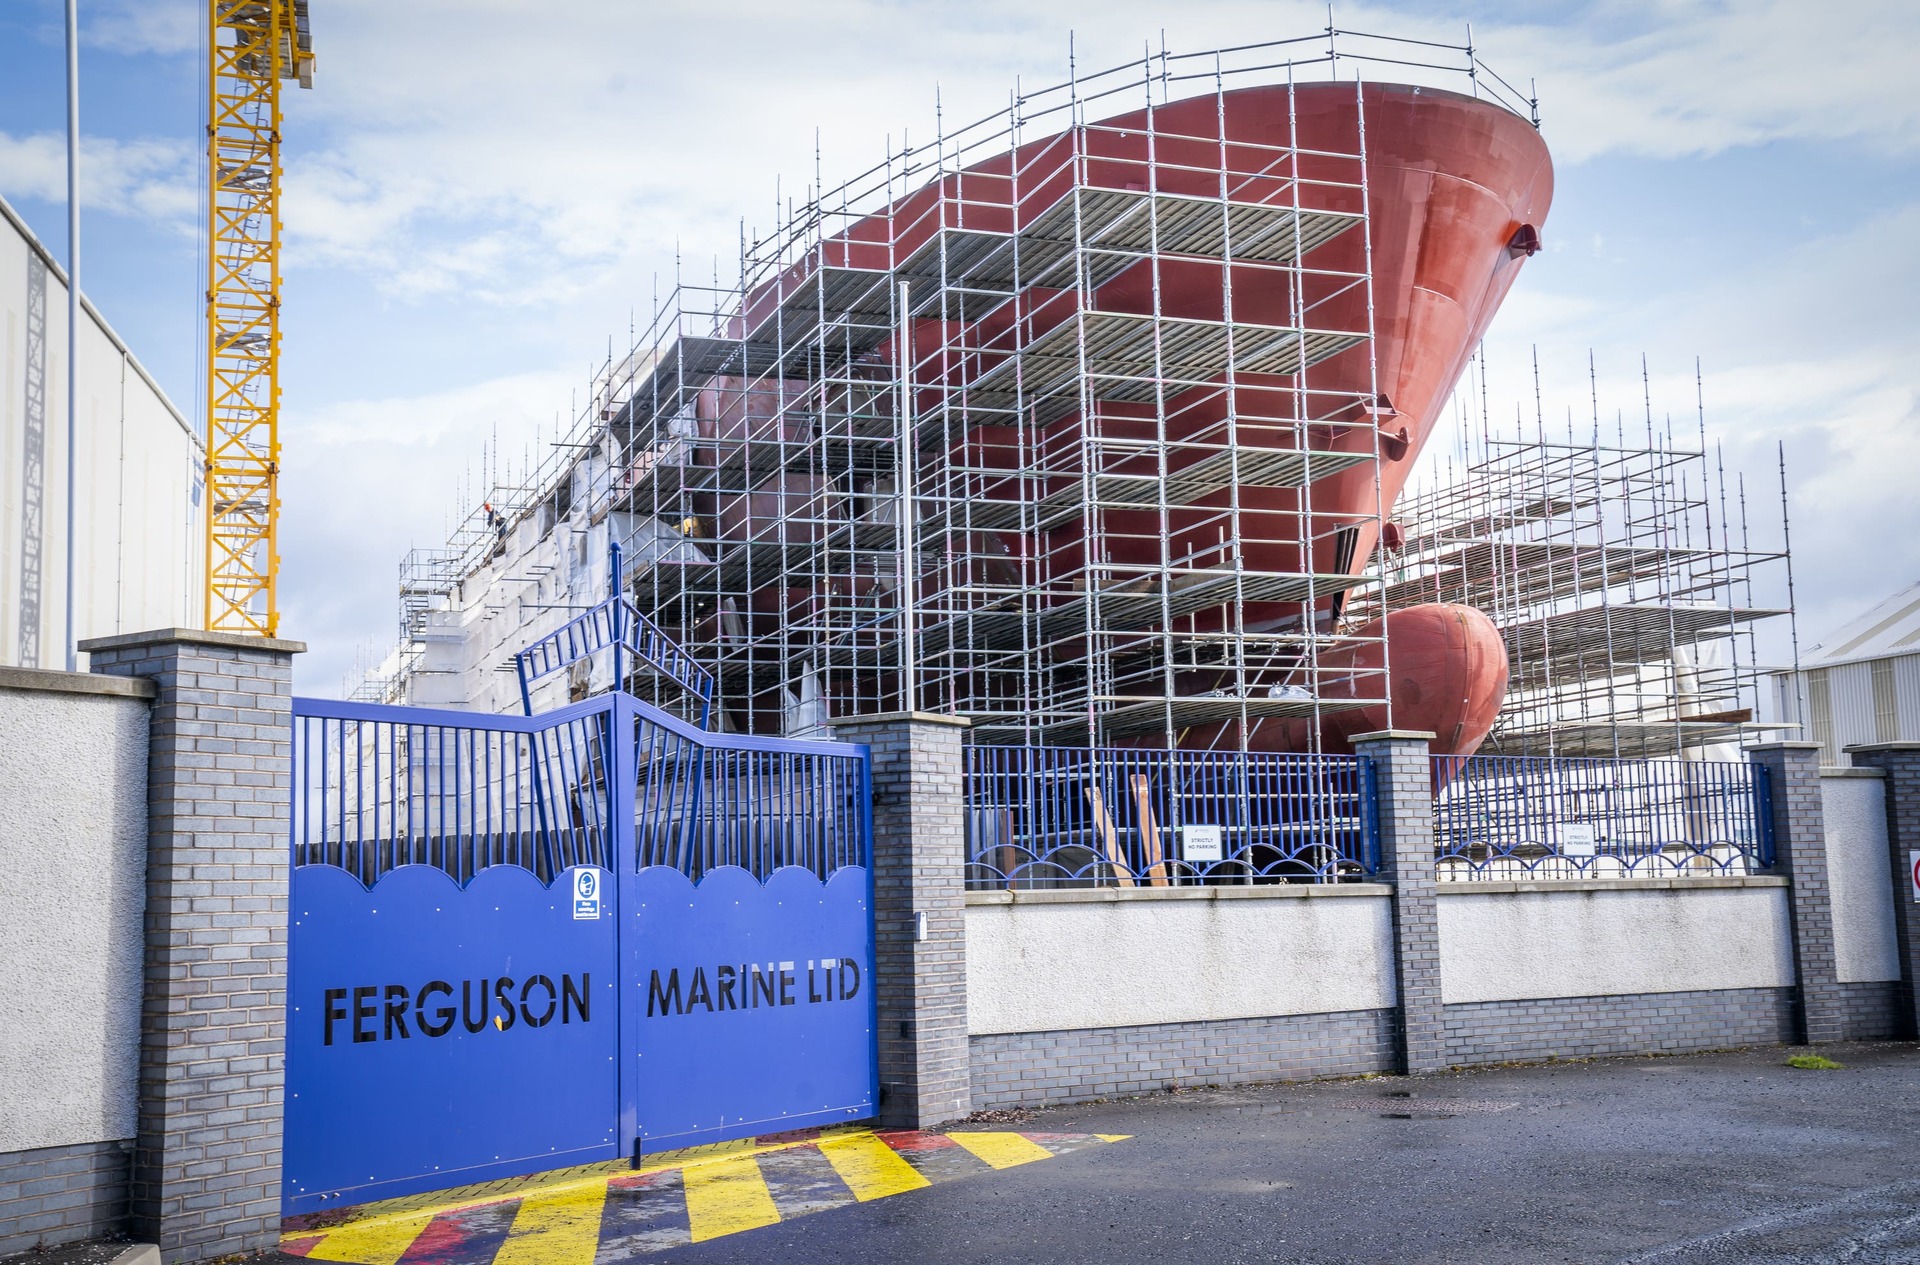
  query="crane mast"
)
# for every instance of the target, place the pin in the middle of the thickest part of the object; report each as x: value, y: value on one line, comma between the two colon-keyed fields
x: 253, y: 46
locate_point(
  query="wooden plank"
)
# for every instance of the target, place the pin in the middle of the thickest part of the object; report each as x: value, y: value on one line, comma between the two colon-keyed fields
x: 1109, y: 840
x: 1149, y: 831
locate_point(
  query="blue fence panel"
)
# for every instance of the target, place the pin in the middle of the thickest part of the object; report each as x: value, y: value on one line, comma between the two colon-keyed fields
x: 439, y: 1035
x: 1045, y: 817
x: 1546, y: 817
x: 379, y: 787
x: 756, y: 803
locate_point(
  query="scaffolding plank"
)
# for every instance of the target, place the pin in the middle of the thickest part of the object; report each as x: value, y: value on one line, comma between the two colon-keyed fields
x: 1571, y: 647
x: 1629, y: 738
x: 1133, y: 222
x: 1213, y: 472
x: 1130, y: 357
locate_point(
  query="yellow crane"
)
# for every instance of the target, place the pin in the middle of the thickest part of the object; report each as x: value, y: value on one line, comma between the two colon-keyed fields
x: 253, y: 46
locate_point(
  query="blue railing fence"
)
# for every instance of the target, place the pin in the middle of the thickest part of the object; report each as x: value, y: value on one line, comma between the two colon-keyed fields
x: 618, y: 626
x: 378, y: 787
x: 1064, y: 817
x: 1540, y: 817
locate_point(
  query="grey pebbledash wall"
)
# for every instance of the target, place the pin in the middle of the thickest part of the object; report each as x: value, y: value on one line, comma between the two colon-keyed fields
x: 73, y: 833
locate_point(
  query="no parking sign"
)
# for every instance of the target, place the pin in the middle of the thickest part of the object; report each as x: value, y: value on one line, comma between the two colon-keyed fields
x: 1913, y: 872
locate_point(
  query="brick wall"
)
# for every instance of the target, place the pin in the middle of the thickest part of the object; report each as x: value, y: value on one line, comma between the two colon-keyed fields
x: 1641, y: 1023
x: 1900, y: 762
x: 206, y: 1165
x: 1403, y: 778
x: 1801, y: 854
x: 1030, y: 1068
x: 920, y: 986
x: 57, y: 1194
x: 1871, y: 1011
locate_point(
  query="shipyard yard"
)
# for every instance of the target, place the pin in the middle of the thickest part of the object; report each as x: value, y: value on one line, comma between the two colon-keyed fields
x: 1249, y: 642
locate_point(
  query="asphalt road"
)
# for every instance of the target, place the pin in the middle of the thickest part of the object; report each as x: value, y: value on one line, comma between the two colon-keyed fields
x: 1693, y: 1160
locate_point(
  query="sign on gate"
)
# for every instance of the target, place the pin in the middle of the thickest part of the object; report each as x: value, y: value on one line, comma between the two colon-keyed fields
x: 698, y: 966
x: 439, y: 1036
x: 752, y: 1003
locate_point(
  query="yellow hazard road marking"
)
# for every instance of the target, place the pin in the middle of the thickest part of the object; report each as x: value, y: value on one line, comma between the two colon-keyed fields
x: 870, y: 1168
x: 378, y: 1242
x: 555, y: 1227
x: 1002, y: 1150
x: 726, y: 1197
x: 560, y: 1217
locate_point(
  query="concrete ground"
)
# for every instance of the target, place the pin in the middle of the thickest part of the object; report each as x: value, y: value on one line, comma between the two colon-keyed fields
x: 1697, y: 1159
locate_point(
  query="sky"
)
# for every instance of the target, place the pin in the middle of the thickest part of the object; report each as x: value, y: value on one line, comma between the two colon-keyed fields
x: 479, y: 197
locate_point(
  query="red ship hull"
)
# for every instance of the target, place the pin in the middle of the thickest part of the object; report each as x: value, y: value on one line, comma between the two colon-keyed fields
x: 1455, y: 192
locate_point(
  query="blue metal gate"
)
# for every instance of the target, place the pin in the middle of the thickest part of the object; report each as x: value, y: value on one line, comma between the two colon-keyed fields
x: 521, y: 943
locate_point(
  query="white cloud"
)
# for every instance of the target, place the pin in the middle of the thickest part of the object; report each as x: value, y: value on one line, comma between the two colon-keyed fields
x: 367, y: 478
x: 1690, y: 79
x: 525, y: 159
x: 164, y: 27
x: 153, y: 179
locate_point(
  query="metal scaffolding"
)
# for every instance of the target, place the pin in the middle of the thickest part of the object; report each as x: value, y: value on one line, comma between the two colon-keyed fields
x: 1621, y: 574
x: 910, y: 458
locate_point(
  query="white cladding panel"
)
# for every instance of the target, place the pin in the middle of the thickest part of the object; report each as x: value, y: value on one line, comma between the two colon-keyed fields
x: 137, y: 550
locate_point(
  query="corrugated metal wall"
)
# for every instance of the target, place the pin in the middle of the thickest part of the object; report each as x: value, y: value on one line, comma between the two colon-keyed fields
x: 1876, y: 700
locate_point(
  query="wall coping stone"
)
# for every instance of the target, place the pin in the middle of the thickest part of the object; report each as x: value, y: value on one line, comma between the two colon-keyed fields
x: 1841, y: 770
x: 1106, y: 895
x: 1881, y: 746
x: 52, y: 681
x: 1787, y: 744
x: 893, y: 718
x: 1521, y: 887
x: 193, y: 637
x: 1394, y: 735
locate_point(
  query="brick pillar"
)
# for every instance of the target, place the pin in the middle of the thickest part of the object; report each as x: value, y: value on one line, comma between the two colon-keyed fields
x: 1800, y: 853
x: 1900, y: 761
x: 206, y: 1164
x: 919, y: 867
x: 1403, y: 780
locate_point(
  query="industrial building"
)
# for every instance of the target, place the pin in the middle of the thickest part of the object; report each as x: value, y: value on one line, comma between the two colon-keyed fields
x: 1861, y: 683
x: 137, y: 551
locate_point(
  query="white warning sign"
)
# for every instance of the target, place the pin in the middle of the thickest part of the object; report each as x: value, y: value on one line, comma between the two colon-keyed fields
x: 1201, y: 843
x: 586, y: 893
